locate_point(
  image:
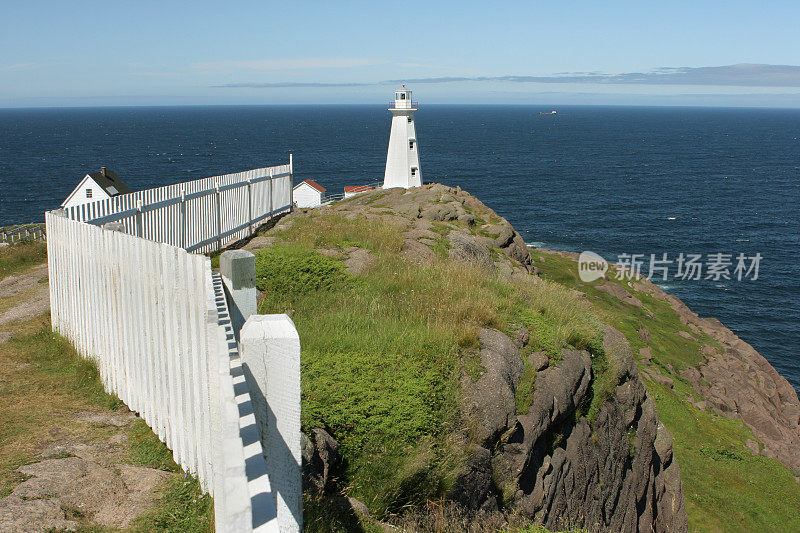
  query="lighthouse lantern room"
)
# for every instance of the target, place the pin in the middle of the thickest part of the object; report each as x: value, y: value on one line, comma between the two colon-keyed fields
x: 402, y: 160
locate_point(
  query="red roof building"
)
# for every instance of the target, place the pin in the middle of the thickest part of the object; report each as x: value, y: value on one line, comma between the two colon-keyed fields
x: 352, y: 190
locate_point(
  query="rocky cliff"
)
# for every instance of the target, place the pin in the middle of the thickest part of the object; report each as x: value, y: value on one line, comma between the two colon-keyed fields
x: 564, y: 435
x: 738, y: 382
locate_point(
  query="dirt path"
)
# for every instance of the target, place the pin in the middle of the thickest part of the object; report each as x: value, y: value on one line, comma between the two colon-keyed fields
x: 23, y: 297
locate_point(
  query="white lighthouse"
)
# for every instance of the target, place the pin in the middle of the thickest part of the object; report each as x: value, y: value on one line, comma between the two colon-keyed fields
x: 402, y: 160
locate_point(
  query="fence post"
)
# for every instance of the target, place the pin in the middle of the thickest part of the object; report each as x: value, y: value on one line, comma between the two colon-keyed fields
x: 271, y: 179
x: 270, y: 351
x: 184, y: 236
x: 238, y: 270
x: 291, y: 182
x: 139, y: 228
x: 250, y: 205
x: 219, y: 215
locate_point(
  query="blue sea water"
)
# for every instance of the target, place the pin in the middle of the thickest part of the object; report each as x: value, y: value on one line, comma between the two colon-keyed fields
x: 614, y: 180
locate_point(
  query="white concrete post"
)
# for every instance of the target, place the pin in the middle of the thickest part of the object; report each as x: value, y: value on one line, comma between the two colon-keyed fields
x: 238, y: 270
x: 270, y: 351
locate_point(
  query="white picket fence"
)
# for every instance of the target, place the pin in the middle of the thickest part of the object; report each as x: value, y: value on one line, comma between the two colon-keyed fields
x: 201, y: 215
x: 153, y: 318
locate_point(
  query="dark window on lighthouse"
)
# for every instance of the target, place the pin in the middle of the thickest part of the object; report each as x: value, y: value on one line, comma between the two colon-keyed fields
x: 413, y: 171
x: 409, y: 119
x: 402, y: 96
x: 410, y: 145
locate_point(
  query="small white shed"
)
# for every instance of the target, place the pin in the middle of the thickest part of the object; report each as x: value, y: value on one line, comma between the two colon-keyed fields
x: 96, y: 186
x: 308, y: 194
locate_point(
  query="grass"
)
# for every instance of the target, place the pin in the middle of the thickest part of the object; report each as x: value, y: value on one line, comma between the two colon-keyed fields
x: 666, y: 345
x: 726, y: 488
x: 340, y: 232
x: 324, y: 515
x: 542, y: 529
x: 383, y: 351
x: 182, y: 508
x: 526, y: 386
x: 147, y: 450
x: 18, y: 257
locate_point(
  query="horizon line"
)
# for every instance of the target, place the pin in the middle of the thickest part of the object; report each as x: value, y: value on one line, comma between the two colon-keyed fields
x: 548, y: 106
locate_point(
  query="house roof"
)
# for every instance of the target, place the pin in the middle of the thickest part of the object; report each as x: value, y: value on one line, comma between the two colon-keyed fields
x: 313, y: 184
x: 357, y: 188
x: 106, y: 180
x: 109, y: 181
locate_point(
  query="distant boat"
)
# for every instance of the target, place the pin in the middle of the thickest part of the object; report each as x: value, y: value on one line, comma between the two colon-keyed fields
x: 553, y: 112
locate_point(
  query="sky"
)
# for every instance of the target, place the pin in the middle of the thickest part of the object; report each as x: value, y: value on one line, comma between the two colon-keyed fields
x: 91, y: 53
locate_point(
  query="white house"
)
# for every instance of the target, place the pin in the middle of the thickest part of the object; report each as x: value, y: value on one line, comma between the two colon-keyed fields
x: 308, y: 194
x: 96, y: 186
x: 352, y: 190
x: 402, y: 159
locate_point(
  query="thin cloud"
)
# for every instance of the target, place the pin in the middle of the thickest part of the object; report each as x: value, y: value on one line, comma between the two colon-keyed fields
x: 282, y: 84
x: 16, y: 67
x: 299, y: 63
x: 741, y: 75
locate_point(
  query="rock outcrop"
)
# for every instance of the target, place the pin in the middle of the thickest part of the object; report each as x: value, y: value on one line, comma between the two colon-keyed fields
x: 472, y: 230
x: 77, y: 481
x: 555, y: 466
x: 464, y: 248
x: 321, y: 460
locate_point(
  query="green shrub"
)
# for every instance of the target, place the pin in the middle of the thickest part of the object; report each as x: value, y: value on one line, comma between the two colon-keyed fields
x: 391, y: 398
x: 294, y: 270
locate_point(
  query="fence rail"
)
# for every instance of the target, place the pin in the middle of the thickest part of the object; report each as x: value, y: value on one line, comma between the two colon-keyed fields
x: 201, y: 215
x: 154, y: 319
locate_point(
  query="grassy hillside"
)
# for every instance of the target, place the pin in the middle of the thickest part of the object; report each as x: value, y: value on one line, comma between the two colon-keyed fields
x: 383, y: 351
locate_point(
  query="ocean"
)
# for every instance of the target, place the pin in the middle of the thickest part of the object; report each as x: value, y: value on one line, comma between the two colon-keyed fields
x: 612, y: 180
